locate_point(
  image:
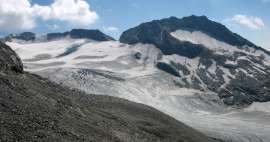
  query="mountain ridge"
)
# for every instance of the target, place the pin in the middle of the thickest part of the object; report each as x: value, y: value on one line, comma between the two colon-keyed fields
x: 92, y: 34
x: 81, y: 33
x: 191, y: 23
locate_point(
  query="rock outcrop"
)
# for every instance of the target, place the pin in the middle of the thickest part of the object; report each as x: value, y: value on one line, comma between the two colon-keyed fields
x: 9, y: 60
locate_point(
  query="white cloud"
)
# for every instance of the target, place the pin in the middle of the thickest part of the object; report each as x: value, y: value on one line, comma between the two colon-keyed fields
x: 110, y: 29
x: 74, y: 11
x: 250, y: 22
x: 21, y: 15
x: 16, y: 15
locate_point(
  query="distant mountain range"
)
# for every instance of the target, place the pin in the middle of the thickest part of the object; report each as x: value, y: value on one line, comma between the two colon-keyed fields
x: 194, y: 69
x: 75, y: 33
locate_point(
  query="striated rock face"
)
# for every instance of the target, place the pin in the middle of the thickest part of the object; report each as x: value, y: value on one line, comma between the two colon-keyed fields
x: 34, y: 109
x: 9, y: 59
x: 208, y: 56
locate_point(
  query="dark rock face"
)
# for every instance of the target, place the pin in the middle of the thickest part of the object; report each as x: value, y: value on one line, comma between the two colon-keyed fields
x: 52, y: 36
x: 26, y: 36
x: 168, y: 68
x: 157, y: 32
x: 9, y: 60
x: 91, y: 34
x: 81, y: 33
x: 70, y: 50
x: 34, y: 109
x: 75, y: 33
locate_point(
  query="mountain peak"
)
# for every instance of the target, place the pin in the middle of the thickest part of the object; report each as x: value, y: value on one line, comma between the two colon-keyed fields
x: 81, y: 33
x: 195, y: 17
x: 91, y: 34
x: 158, y: 32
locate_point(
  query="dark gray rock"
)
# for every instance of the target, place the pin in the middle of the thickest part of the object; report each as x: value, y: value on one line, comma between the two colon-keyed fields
x: 70, y: 50
x: 81, y: 33
x: 138, y: 55
x: 53, y: 36
x: 27, y: 36
x: 9, y: 60
x: 168, y: 68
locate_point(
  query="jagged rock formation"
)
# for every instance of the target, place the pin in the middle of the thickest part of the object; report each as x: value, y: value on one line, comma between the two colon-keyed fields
x: 34, y: 109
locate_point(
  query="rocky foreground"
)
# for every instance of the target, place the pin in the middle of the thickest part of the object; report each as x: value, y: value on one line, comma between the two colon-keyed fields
x: 34, y: 109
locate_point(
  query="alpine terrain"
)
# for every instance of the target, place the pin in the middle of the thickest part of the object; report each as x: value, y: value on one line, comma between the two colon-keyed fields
x: 193, y: 69
x: 34, y: 109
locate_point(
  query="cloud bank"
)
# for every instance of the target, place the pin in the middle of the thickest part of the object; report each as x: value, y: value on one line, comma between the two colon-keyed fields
x: 21, y: 15
x: 251, y: 22
x: 111, y: 29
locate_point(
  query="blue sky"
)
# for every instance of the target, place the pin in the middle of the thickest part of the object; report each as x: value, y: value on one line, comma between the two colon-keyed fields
x: 249, y: 18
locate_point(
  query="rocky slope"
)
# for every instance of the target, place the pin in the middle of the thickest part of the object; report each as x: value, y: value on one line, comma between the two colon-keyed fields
x: 9, y: 59
x: 34, y: 109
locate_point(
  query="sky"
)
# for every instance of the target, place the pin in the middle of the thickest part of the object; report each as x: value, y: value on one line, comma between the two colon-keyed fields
x: 249, y: 18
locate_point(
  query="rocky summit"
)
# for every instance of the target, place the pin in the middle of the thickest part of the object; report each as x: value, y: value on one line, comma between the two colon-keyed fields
x: 34, y: 109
